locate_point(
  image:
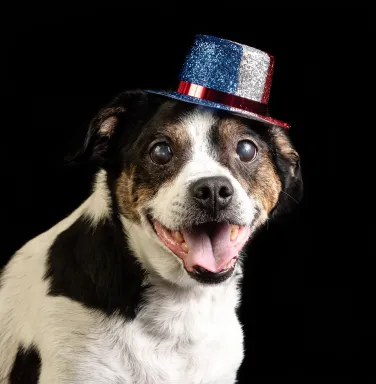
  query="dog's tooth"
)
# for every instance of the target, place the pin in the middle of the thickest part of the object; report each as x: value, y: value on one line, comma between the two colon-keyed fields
x: 178, y: 236
x: 234, y: 232
x: 184, y: 246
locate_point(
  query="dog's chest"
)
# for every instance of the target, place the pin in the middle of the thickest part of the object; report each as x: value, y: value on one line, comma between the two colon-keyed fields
x: 191, y: 341
x: 195, y: 341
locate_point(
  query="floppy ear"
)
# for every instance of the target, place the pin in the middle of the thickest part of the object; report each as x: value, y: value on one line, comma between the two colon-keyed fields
x: 289, y: 170
x: 103, y: 128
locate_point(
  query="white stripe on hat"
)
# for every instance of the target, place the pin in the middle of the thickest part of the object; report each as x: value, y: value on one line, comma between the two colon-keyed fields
x: 253, y: 70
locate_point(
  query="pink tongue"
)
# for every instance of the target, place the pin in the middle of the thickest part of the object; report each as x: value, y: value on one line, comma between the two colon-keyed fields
x: 211, y: 250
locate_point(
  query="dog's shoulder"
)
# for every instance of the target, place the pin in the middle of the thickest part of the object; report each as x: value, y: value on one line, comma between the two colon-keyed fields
x: 22, y: 292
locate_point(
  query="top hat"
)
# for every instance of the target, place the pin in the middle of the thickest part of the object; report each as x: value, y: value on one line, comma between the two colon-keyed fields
x: 226, y: 75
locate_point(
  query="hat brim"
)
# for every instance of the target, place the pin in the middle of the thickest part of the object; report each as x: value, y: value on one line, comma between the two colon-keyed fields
x: 212, y: 104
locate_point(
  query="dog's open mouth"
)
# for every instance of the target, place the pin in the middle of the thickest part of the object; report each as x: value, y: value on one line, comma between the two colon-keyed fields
x: 210, y: 247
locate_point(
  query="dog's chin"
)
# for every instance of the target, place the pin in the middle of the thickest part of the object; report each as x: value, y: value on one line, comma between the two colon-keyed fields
x: 209, y: 251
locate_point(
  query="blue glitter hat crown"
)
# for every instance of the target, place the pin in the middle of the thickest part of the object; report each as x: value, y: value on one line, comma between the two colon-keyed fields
x: 222, y: 74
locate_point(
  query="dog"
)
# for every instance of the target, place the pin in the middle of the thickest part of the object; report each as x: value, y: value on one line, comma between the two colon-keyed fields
x: 140, y: 284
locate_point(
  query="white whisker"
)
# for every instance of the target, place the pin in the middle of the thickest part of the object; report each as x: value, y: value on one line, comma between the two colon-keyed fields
x: 296, y: 201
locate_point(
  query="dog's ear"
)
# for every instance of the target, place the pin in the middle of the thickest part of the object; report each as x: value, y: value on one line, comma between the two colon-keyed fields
x: 103, y: 128
x: 287, y: 162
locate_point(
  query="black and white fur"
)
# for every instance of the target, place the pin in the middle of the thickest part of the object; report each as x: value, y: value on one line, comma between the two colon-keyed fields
x: 98, y: 298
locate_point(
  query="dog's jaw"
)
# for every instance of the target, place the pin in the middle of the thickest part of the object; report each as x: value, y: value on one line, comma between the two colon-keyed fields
x: 161, y: 262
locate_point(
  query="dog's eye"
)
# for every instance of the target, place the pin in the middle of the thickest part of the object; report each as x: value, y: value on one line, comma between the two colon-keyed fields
x: 161, y: 153
x: 246, y: 150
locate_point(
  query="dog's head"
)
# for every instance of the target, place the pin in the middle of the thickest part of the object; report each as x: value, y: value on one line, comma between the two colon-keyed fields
x: 191, y: 184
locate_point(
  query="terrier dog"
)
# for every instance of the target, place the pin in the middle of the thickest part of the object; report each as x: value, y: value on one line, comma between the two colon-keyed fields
x: 140, y: 283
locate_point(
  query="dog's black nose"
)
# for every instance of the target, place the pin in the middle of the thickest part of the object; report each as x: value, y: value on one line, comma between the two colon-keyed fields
x: 212, y: 193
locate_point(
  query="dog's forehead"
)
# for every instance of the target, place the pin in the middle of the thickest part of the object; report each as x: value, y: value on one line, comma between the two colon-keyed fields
x: 184, y: 116
x: 197, y: 124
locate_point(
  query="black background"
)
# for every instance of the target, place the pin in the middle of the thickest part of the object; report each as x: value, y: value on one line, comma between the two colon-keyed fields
x: 65, y: 65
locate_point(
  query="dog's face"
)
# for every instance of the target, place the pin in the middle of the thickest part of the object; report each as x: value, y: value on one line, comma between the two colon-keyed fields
x: 192, y: 184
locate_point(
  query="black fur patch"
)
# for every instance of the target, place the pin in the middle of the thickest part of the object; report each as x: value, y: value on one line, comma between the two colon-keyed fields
x: 26, y: 367
x: 94, y: 266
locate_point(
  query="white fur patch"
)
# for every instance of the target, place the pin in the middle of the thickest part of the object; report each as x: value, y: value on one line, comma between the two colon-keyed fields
x: 99, y: 204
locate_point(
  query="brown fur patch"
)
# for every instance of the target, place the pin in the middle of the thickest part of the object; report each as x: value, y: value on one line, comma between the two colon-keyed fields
x: 131, y: 197
x: 181, y: 142
x: 265, y: 185
x: 285, y: 147
x: 259, y: 178
x: 125, y: 196
x: 108, y: 126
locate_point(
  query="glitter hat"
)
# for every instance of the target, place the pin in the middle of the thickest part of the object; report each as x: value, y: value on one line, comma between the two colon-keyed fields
x: 226, y: 75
